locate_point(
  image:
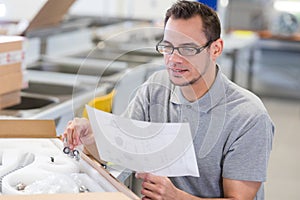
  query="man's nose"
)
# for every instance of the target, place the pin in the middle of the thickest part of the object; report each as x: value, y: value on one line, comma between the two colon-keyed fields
x: 175, y: 56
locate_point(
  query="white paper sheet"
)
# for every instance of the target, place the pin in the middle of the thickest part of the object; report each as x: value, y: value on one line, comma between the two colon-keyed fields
x: 164, y: 149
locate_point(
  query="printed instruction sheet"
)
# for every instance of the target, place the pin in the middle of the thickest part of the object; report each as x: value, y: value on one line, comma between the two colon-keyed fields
x: 164, y: 149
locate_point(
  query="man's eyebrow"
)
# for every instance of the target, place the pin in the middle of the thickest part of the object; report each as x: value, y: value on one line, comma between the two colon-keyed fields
x: 189, y: 44
x: 166, y: 41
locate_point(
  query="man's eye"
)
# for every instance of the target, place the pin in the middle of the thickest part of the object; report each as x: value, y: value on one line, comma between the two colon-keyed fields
x: 188, y: 49
x: 165, y: 49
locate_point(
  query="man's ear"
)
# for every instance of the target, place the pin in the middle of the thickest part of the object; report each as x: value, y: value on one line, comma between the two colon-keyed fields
x: 216, y: 49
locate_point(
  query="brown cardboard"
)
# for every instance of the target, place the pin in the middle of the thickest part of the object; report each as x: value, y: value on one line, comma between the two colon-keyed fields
x: 11, y: 82
x: 11, y: 43
x: 50, y: 14
x: 25, y: 128
x: 10, y: 68
x: 109, y: 177
x: 80, y: 196
x: 30, y: 128
x: 10, y: 99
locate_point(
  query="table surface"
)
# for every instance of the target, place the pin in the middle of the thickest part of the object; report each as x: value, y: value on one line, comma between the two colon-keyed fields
x: 239, y: 40
x: 268, y: 35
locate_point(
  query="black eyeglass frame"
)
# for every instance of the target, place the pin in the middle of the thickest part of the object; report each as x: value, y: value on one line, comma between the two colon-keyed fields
x: 198, y: 49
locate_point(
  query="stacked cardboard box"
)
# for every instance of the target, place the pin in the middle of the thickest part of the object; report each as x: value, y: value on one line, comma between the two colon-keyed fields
x: 11, y: 60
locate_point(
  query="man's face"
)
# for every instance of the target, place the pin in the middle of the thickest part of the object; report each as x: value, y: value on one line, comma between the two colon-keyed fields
x: 186, y: 70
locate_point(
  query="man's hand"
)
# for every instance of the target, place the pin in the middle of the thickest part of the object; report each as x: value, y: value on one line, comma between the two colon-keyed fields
x: 78, y: 131
x: 157, y: 187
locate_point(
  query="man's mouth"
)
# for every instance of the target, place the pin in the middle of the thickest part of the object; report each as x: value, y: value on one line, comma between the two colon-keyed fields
x: 178, y: 71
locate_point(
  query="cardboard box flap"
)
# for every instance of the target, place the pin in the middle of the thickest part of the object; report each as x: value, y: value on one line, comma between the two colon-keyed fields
x: 118, y: 185
x: 50, y: 14
x: 81, y: 196
x: 27, y: 128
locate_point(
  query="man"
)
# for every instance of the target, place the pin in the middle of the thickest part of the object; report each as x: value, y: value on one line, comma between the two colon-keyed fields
x: 232, y: 131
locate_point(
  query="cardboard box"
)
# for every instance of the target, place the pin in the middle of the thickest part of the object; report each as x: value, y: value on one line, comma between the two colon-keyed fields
x: 10, y: 91
x: 11, y: 74
x: 51, y: 14
x: 10, y: 68
x: 10, y: 99
x: 86, y: 196
x: 26, y: 129
x: 11, y: 53
x: 11, y: 43
x: 11, y: 82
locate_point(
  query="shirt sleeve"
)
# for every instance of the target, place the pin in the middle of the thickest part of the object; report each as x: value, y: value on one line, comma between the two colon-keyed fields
x: 248, y: 155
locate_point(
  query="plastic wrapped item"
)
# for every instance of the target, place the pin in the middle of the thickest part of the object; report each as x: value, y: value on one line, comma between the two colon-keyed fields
x: 26, y: 159
x: 85, y: 183
x: 55, y: 183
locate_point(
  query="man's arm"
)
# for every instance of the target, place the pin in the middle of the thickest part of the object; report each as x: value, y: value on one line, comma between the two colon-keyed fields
x: 157, y: 187
x: 237, y: 189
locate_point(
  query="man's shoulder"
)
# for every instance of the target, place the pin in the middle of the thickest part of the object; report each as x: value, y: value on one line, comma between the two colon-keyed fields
x: 239, y: 98
x: 245, y: 110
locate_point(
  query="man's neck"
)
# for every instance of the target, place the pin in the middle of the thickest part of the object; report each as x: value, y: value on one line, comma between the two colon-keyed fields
x: 200, y: 88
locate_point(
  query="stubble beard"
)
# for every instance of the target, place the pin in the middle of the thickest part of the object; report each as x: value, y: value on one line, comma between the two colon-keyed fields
x: 191, y: 82
x: 188, y: 82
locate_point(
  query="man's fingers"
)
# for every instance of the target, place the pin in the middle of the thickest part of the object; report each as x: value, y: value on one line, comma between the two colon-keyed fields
x: 75, y: 130
x: 148, y: 177
x: 69, y: 134
x: 149, y: 186
x: 140, y: 175
x: 148, y: 194
x: 72, y: 137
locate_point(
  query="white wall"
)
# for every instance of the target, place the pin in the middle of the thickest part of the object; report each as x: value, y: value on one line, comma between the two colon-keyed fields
x: 21, y: 9
x: 146, y: 9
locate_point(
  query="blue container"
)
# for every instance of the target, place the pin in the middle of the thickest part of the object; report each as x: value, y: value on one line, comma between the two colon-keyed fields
x: 211, y: 3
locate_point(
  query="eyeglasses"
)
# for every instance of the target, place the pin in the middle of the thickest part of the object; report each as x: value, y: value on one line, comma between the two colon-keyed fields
x: 168, y: 49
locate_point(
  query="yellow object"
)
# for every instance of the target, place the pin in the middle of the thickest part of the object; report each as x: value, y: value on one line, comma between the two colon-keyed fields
x: 103, y: 103
x: 243, y: 33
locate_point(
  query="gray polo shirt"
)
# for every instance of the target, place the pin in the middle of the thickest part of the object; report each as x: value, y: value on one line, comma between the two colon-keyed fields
x: 232, y: 131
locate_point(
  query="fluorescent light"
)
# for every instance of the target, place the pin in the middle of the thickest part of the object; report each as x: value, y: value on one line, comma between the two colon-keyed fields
x: 2, y: 9
x: 224, y: 3
x: 287, y: 6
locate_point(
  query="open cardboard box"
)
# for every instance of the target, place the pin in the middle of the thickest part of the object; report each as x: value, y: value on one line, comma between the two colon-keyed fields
x: 50, y: 14
x: 45, y: 130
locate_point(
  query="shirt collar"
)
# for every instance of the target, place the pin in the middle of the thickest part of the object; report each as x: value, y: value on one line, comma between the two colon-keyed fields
x: 214, y: 95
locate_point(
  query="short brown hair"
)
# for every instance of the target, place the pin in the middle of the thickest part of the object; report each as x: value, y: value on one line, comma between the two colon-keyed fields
x: 189, y: 9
